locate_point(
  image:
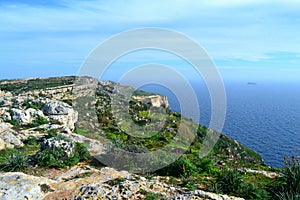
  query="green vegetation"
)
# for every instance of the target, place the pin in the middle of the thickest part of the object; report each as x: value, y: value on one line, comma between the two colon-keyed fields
x: 58, y: 157
x: 15, y: 162
x: 291, y: 176
x: 19, y: 86
x: 14, y: 122
x: 142, y: 93
x: 151, y: 196
x: 29, y: 104
x: 231, y: 182
x: 219, y: 172
x: 29, y: 155
x: 39, y: 120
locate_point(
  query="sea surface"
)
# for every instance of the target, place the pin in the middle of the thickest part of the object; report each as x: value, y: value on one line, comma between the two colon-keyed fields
x: 264, y: 116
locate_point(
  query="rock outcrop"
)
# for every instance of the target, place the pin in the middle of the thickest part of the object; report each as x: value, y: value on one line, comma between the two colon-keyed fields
x: 8, y: 137
x: 106, y: 183
x: 61, y: 113
x: 19, y: 186
x: 154, y: 100
x: 25, y: 117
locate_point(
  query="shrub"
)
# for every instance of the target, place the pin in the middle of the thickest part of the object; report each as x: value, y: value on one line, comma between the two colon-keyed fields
x: 249, y: 191
x: 181, y: 167
x: 50, y: 158
x: 231, y: 182
x: 31, y: 140
x: 14, y: 122
x: 51, y: 133
x: 83, y: 152
x: 291, y: 176
x: 15, y: 162
x: 39, y: 120
x: 54, y: 133
x: 57, y: 157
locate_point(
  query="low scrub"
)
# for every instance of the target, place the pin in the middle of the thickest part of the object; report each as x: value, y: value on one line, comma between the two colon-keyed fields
x: 58, y: 158
x: 15, y: 162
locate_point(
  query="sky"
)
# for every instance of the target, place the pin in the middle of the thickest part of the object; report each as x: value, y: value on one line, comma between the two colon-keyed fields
x: 249, y: 40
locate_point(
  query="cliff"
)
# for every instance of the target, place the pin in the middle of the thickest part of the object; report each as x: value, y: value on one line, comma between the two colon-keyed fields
x: 44, y: 133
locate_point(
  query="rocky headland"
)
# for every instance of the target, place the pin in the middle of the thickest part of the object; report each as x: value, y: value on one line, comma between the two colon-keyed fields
x: 48, y: 150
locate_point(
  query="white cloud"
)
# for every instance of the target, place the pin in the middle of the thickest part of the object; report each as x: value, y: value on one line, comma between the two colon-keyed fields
x: 234, y: 29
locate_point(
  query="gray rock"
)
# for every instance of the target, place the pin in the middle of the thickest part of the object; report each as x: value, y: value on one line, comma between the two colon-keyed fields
x: 47, y: 127
x: 61, y: 113
x: 22, y: 116
x: 8, y: 136
x: 54, y: 143
x: 4, y: 114
x: 2, y: 144
x: 25, y: 117
x: 19, y: 186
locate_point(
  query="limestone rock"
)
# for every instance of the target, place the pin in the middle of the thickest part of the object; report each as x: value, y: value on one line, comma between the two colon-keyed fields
x: 2, y: 144
x: 22, y: 116
x: 47, y: 127
x: 20, y: 186
x: 25, y: 117
x: 95, y: 147
x: 8, y: 136
x: 154, y: 100
x: 54, y: 143
x: 4, y: 114
x: 61, y: 113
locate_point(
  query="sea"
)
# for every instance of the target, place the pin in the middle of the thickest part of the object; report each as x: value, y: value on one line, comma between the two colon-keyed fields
x: 264, y: 116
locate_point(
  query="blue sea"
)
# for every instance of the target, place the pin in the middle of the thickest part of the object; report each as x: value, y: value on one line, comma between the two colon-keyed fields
x: 264, y: 116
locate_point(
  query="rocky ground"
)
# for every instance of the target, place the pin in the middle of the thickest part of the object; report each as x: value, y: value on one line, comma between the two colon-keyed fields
x: 33, y: 113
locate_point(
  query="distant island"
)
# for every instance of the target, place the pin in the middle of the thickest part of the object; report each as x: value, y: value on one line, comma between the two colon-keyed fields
x: 49, y: 148
x: 252, y: 83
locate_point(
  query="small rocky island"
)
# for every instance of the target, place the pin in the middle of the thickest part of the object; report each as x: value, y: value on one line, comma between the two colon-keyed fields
x: 48, y: 150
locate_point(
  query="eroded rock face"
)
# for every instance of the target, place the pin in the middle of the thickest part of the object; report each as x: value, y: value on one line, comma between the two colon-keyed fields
x: 154, y: 100
x: 61, y: 113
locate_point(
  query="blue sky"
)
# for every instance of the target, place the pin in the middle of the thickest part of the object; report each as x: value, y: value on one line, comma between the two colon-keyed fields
x: 247, y: 40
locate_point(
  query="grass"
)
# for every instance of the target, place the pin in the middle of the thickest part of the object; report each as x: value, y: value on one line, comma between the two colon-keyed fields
x: 15, y: 162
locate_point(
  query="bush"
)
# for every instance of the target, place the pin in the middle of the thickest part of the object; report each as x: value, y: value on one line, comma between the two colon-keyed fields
x: 82, y: 151
x: 14, y: 122
x: 48, y: 158
x: 58, y: 158
x: 181, y: 167
x: 15, y: 162
x: 31, y: 140
x: 249, y: 191
x: 39, y: 120
x: 230, y: 181
x: 54, y: 133
x: 291, y: 176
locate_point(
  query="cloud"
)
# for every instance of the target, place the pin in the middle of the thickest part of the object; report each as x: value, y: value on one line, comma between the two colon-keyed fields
x: 66, y: 31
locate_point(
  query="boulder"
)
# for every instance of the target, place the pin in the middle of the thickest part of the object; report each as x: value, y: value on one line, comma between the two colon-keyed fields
x: 54, y: 143
x: 61, y: 113
x: 25, y: 117
x: 8, y: 136
x: 22, y: 116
